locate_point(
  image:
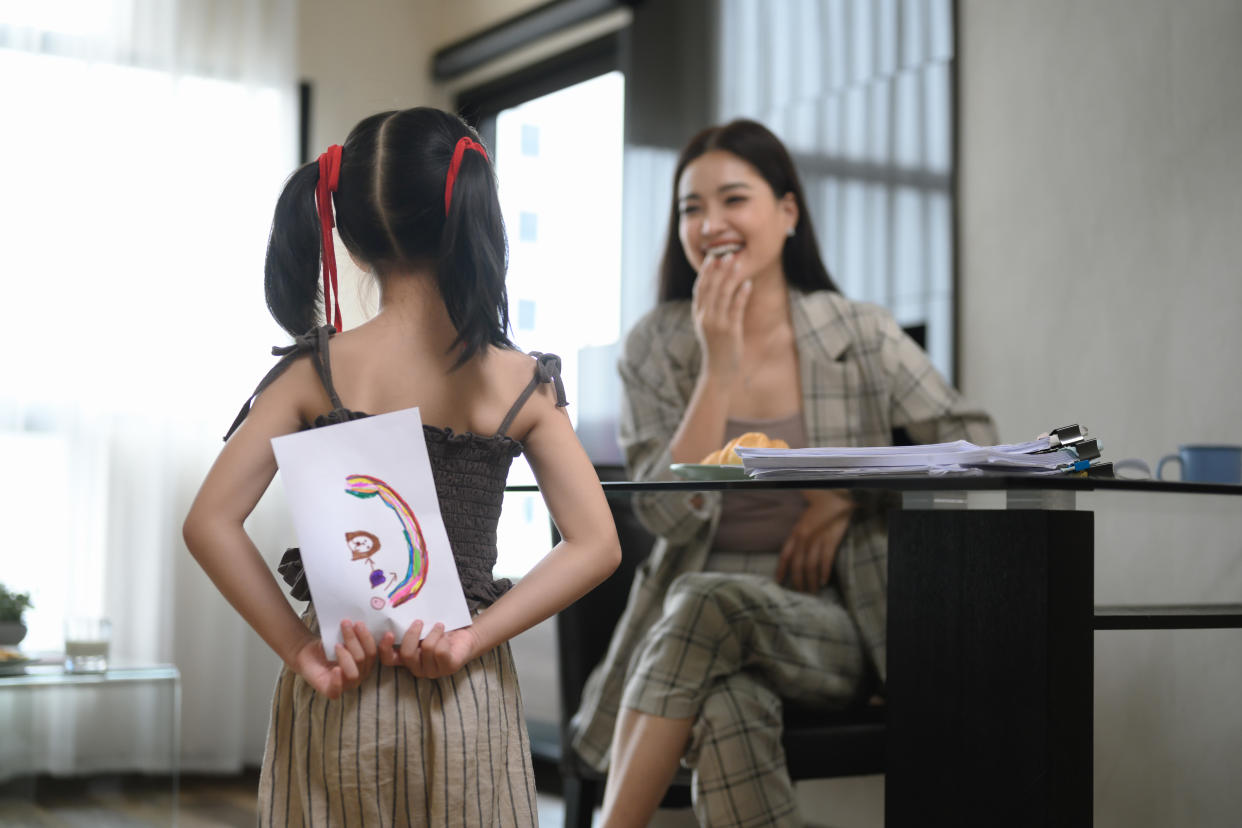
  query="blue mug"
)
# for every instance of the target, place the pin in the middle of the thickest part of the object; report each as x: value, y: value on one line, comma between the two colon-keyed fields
x: 1206, y: 464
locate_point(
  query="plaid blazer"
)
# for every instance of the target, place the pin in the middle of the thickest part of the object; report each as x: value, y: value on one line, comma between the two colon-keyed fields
x: 861, y: 377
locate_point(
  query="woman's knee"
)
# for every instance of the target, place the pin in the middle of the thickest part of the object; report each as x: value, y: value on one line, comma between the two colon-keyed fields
x: 743, y: 697
x: 713, y: 594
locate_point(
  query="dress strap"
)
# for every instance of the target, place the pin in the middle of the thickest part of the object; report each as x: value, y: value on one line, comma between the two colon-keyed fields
x: 547, y: 369
x: 323, y: 365
x: 314, y: 341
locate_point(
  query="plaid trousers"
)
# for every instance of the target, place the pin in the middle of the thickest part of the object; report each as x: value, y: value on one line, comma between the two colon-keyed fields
x: 724, y: 642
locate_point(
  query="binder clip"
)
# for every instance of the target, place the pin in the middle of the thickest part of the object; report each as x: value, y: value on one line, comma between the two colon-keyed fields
x: 1086, y: 449
x: 1065, y: 436
x: 1101, y: 470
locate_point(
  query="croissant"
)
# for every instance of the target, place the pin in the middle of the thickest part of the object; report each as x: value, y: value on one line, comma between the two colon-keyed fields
x: 751, y: 439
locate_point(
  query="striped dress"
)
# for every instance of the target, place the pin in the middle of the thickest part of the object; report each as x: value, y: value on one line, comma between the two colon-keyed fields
x: 400, y: 750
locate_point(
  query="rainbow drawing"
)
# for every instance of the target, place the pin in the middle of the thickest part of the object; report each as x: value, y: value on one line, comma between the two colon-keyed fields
x: 364, y: 485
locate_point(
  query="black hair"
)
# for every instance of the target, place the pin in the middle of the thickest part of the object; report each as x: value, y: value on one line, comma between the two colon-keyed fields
x: 758, y: 146
x: 390, y: 214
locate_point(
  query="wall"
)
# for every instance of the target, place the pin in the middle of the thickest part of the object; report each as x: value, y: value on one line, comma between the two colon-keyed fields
x: 366, y: 57
x: 373, y: 55
x: 463, y: 18
x: 1100, y: 205
x: 363, y: 58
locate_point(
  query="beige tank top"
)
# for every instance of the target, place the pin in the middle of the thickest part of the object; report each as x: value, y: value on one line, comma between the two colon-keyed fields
x: 754, y: 525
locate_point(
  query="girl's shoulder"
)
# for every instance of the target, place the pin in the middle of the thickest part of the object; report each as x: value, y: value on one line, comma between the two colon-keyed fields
x: 296, y: 379
x: 509, y: 360
x: 510, y: 368
x: 527, y: 385
x: 516, y: 371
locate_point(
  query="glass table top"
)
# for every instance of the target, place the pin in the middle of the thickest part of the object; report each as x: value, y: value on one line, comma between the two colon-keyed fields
x: 42, y: 673
x: 909, y: 483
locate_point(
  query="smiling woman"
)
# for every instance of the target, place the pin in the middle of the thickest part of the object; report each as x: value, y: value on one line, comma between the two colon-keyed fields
x: 750, y: 600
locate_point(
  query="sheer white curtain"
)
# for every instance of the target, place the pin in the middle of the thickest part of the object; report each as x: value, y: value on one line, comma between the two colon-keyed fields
x: 144, y: 145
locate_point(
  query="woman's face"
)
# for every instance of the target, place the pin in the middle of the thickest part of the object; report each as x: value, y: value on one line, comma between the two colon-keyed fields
x: 725, y: 205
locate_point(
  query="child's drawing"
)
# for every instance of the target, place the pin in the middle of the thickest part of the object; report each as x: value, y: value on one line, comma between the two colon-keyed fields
x: 363, y: 486
x: 402, y: 545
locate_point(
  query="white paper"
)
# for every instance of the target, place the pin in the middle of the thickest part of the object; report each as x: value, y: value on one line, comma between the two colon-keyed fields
x: 960, y: 457
x: 368, y: 522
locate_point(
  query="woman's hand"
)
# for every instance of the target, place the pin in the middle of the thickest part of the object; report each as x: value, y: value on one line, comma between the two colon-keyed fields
x: 439, y: 654
x: 355, y: 658
x: 808, y: 553
x: 720, y: 295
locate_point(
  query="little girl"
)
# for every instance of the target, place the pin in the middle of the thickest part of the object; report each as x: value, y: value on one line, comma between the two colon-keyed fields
x: 434, y: 733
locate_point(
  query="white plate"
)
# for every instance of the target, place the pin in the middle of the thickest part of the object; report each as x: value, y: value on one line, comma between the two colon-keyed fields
x: 15, y: 666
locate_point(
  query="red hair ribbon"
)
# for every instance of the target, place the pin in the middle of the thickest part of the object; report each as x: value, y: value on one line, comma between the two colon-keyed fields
x: 329, y: 177
x: 463, y: 144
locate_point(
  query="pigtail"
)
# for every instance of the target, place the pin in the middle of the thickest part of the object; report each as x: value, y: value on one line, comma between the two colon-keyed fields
x: 394, y: 211
x: 291, y: 269
x: 473, y: 259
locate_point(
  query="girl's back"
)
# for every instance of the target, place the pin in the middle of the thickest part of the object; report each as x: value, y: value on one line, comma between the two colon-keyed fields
x: 377, y: 369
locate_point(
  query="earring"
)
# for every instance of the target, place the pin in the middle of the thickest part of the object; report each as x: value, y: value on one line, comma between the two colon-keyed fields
x: 790, y: 232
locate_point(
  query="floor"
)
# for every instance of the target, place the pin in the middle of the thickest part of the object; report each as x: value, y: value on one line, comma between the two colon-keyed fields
x: 108, y: 802
x: 203, y: 802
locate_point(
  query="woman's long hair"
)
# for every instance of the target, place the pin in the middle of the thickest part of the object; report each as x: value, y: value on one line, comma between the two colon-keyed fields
x: 390, y: 212
x: 755, y: 144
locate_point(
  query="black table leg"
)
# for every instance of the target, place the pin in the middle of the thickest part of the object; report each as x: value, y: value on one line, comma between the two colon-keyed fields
x: 989, y: 668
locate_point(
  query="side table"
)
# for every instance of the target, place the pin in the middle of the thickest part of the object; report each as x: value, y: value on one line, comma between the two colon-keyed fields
x: 124, y: 720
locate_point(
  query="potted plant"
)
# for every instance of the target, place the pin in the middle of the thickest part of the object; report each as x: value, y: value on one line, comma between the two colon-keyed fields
x: 12, y: 605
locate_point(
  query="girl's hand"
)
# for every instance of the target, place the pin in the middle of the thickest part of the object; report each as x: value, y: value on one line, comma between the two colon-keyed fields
x: 355, y: 658
x: 719, y: 301
x: 809, y: 552
x: 439, y: 654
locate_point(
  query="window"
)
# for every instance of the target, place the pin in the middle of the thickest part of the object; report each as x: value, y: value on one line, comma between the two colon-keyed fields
x: 861, y: 93
x: 528, y: 226
x: 530, y: 139
x: 525, y: 315
x: 135, y: 211
x: 565, y: 274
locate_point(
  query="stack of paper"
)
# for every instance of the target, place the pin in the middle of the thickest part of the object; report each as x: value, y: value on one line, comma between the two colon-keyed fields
x: 1037, y: 456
